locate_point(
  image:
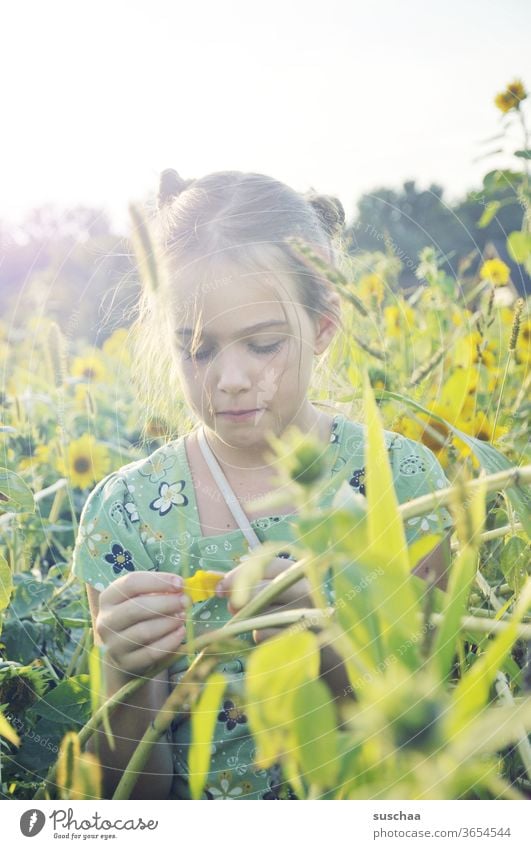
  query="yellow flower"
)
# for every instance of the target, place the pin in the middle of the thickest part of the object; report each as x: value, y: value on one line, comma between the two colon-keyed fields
x: 496, y: 271
x: 472, y: 351
x: 399, y: 319
x: 432, y: 433
x: 511, y: 97
x: 89, y: 368
x: 117, y: 345
x: 523, y: 342
x: 371, y: 289
x: 202, y: 585
x: 86, y: 461
x: 482, y: 427
x: 41, y: 454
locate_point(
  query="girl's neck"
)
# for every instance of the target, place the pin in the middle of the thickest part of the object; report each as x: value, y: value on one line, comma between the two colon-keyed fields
x: 252, y: 459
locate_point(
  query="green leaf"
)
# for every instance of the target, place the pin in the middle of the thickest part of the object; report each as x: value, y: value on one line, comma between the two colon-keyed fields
x: 489, y: 457
x: 15, y: 495
x: 8, y: 732
x: 471, y: 693
x: 71, y: 698
x: 513, y: 562
x: 6, y: 583
x: 460, y: 581
x: 493, y: 730
x: 203, y: 722
x: 274, y: 672
x: 384, y: 523
x: 488, y: 213
x: 315, y: 734
x: 523, y: 154
x: 519, y: 246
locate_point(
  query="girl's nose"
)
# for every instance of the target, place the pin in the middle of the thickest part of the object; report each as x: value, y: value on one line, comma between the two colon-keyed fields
x: 232, y: 373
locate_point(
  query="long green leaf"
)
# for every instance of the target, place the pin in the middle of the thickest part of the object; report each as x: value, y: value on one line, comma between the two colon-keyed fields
x: 8, y: 732
x: 459, y: 584
x: 472, y: 691
x: 6, y: 583
x: 315, y: 734
x: 203, y: 722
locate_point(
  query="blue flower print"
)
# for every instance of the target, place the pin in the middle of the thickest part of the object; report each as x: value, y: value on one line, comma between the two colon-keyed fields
x: 170, y: 495
x: 231, y: 715
x: 120, y: 558
x: 357, y: 481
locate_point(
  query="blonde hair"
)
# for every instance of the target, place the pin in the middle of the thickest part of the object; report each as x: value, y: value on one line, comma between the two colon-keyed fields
x: 202, y: 229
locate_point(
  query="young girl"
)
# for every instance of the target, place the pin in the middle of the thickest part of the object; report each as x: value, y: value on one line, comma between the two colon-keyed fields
x: 238, y: 321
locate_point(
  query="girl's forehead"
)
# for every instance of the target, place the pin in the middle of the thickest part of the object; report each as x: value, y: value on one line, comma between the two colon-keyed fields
x: 231, y: 302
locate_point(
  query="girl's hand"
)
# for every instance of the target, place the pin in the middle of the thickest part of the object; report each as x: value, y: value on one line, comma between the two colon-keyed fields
x: 298, y: 595
x: 141, y: 619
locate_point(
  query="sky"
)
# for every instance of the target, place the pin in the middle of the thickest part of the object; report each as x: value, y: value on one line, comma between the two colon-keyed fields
x: 343, y: 97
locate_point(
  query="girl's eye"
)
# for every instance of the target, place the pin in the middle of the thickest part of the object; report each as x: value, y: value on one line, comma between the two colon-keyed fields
x: 266, y: 349
x: 205, y: 353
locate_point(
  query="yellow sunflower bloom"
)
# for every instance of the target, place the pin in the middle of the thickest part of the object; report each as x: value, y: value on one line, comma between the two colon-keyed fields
x: 40, y: 455
x: 90, y: 368
x: 482, y: 427
x: 496, y: 271
x: 399, y: 320
x: 202, y: 585
x: 511, y: 97
x: 370, y: 289
x: 86, y: 461
x: 523, y: 343
x: 117, y: 345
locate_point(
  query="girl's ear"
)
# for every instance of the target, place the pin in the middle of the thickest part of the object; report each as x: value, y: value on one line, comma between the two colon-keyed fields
x: 326, y: 327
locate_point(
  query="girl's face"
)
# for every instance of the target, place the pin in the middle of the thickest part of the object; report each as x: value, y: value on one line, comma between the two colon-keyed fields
x: 251, y: 370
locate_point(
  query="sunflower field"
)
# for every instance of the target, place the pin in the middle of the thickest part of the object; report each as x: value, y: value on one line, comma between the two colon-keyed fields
x: 439, y: 701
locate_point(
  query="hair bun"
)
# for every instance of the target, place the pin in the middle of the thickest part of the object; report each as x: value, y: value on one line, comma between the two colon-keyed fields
x: 330, y: 212
x: 171, y: 185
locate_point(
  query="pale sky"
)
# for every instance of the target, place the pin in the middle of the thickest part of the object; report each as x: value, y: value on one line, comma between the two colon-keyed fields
x: 99, y: 97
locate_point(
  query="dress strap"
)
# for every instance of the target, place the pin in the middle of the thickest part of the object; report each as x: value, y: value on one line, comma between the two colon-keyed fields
x: 226, y: 490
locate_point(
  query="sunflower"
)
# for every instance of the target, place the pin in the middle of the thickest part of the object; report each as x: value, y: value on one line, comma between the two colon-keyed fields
x: 523, y: 342
x: 399, y: 320
x: 41, y: 454
x: 117, y: 345
x: 496, y: 271
x: 511, y: 97
x: 371, y: 290
x: 90, y: 368
x: 431, y: 432
x: 86, y: 461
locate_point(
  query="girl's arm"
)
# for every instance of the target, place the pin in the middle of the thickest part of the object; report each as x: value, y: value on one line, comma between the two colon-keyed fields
x: 128, y: 724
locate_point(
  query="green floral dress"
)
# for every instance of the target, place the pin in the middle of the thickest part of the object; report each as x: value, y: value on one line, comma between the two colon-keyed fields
x: 144, y: 517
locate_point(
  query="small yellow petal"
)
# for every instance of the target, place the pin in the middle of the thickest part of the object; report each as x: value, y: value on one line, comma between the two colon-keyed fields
x: 202, y: 585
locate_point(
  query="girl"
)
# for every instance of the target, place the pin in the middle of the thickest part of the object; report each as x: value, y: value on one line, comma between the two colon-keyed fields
x: 233, y: 328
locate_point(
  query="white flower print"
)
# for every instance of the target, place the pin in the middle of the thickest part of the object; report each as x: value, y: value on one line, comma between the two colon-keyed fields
x: 424, y: 521
x: 130, y: 506
x: 225, y: 791
x: 155, y: 468
x: 91, y: 535
x: 170, y: 495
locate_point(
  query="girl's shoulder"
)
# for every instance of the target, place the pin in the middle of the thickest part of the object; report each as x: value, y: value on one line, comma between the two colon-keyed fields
x: 130, y: 511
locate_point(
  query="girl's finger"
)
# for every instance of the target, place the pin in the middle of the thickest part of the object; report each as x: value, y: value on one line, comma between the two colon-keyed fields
x: 142, y: 607
x: 140, y: 583
x: 142, y: 635
x: 141, y: 660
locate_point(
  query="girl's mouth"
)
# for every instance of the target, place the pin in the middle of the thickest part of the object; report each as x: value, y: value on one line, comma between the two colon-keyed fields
x: 242, y: 415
